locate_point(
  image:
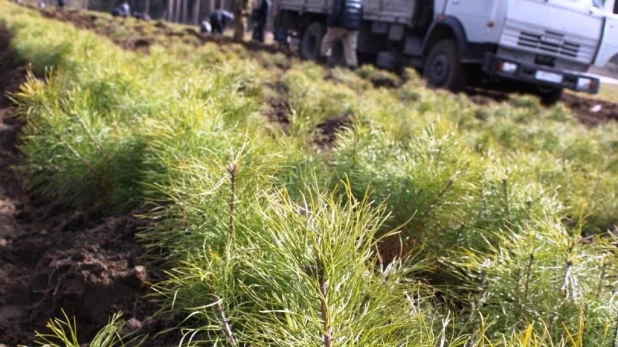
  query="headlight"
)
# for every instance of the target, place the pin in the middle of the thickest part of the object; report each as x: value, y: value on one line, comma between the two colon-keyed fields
x: 506, y: 67
x: 585, y: 84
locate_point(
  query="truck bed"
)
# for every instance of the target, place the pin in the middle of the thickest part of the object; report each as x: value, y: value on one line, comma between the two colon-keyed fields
x: 390, y: 11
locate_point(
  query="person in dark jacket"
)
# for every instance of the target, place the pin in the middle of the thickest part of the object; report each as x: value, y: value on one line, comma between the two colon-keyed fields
x: 124, y: 10
x: 219, y: 20
x: 343, y: 24
x: 260, y: 16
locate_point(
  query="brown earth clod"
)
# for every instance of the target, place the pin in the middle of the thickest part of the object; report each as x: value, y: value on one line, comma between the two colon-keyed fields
x: 327, y: 131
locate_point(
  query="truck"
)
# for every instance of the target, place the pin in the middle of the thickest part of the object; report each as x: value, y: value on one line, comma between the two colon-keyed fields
x: 543, y: 45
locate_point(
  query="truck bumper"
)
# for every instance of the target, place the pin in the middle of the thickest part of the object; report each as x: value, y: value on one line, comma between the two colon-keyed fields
x: 497, y: 66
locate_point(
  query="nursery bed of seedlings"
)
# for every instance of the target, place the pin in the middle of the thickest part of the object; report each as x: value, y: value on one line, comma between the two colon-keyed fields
x: 138, y: 35
x: 228, y: 194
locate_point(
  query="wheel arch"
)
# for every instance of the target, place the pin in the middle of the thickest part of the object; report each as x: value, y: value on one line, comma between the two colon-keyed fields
x: 443, y: 28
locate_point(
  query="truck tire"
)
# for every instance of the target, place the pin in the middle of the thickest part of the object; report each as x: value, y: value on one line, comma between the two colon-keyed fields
x: 443, y: 68
x: 311, y: 41
x: 550, y: 97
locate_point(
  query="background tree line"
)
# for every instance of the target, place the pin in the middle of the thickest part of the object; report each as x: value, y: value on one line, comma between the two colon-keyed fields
x: 179, y: 11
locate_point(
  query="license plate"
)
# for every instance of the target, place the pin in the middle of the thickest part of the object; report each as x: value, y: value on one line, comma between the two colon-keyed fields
x: 548, y: 77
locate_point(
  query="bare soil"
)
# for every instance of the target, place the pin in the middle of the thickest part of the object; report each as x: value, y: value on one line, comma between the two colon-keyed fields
x: 589, y: 111
x: 54, y: 258
x: 327, y: 131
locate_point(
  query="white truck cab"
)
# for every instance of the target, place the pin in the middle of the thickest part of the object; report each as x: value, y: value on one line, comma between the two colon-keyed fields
x: 548, y: 45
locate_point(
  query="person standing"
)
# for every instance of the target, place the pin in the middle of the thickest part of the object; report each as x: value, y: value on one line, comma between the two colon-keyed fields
x: 280, y: 32
x: 260, y: 17
x: 343, y: 24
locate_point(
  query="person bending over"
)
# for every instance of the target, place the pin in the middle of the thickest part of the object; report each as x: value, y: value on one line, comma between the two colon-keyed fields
x: 219, y: 20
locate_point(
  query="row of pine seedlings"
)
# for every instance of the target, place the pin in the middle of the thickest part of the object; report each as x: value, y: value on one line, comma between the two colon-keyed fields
x: 429, y: 221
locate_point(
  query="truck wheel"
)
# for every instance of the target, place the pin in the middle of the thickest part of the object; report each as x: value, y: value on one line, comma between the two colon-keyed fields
x: 442, y: 67
x: 550, y: 97
x: 311, y: 41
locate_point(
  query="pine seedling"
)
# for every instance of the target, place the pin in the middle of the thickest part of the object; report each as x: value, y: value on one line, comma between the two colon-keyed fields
x: 63, y: 333
x: 527, y: 288
x: 507, y: 207
x: 559, y: 291
x: 232, y: 169
x: 309, y: 278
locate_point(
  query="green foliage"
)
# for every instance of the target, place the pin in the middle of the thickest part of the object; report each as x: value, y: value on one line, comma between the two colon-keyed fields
x: 63, y: 333
x: 312, y: 101
x: 329, y: 287
x: 265, y: 245
x: 545, y: 277
x: 378, y: 77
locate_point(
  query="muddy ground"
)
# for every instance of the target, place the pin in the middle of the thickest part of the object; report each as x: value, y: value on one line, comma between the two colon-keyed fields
x: 589, y: 111
x: 52, y: 257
